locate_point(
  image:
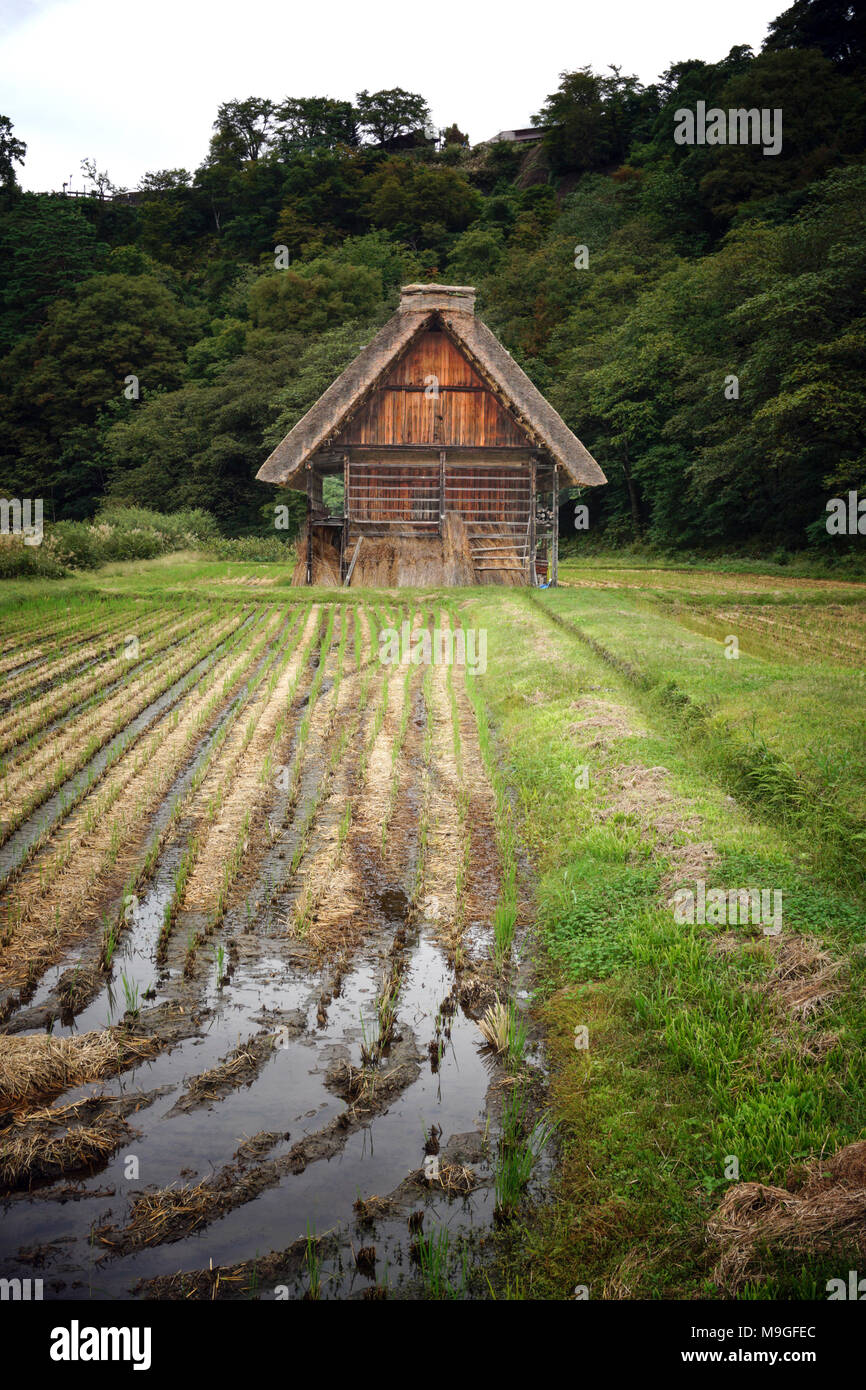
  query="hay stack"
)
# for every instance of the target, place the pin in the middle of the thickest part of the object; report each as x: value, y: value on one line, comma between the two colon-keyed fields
x: 458, y: 562
x: 499, y: 555
x: 326, y: 560
x: 389, y: 562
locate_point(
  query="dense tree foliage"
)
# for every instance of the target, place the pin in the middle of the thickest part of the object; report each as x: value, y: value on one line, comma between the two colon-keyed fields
x: 695, y: 311
x: 12, y: 152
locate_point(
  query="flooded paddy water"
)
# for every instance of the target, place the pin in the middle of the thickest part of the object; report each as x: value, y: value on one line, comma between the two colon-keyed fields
x: 249, y: 1064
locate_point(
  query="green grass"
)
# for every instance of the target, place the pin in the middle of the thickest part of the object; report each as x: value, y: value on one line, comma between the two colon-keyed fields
x: 687, y: 1062
x: 520, y: 1146
x: 576, y: 556
x: 442, y: 1262
x: 784, y: 734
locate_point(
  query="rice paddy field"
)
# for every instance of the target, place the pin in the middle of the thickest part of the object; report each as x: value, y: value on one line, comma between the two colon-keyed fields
x: 328, y: 974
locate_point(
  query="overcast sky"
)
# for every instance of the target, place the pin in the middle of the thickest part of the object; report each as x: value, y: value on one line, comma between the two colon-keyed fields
x: 135, y: 84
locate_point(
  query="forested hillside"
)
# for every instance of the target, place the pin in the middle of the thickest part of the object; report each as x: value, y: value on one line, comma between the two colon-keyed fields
x: 157, y: 344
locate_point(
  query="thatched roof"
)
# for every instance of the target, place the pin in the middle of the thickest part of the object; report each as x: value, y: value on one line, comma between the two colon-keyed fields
x: 454, y: 307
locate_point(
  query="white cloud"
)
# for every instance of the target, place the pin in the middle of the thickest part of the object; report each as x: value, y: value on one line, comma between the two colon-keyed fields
x: 136, y: 85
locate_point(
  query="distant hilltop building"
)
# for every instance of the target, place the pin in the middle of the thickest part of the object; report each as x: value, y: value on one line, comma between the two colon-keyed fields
x: 118, y: 195
x: 526, y: 135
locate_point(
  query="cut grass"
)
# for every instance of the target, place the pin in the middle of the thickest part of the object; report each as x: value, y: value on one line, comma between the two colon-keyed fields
x: 20, y: 798
x: 504, y: 1030
x: 38, y: 1064
x: 32, y: 1151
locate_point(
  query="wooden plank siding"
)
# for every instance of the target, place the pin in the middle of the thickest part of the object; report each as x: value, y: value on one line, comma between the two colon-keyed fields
x: 453, y: 409
x: 433, y: 353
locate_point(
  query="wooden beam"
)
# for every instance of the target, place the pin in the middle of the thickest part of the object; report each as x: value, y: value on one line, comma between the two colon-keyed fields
x: 441, y: 491
x: 533, y: 469
x: 309, y: 526
x: 554, y: 571
x: 420, y: 390
x: 348, y: 580
x: 497, y: 455
x: 345, y: 541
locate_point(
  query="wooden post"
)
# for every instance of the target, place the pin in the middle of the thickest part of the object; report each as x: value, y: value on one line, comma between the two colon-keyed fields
x: 554, y: 571
x: 532, y: 472
x: 345, y: 511
x: 347, y: 581
x: 309, y: 524
x: 441, y: 491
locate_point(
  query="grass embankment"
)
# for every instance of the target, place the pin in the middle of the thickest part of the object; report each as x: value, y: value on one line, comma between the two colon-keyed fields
x: 713, y: 1054
x: 780, y: 723
x: 832, y: 563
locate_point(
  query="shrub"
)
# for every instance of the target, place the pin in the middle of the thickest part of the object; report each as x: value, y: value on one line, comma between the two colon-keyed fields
x: 257, y: 549
x: 20, y: 561
x: 73, y: 544
x: 116, y: 533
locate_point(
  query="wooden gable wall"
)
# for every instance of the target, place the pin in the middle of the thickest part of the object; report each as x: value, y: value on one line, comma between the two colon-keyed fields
x: 403, y: 410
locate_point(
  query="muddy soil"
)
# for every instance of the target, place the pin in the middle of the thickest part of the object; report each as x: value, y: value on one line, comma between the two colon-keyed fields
x: 317, y: 1109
